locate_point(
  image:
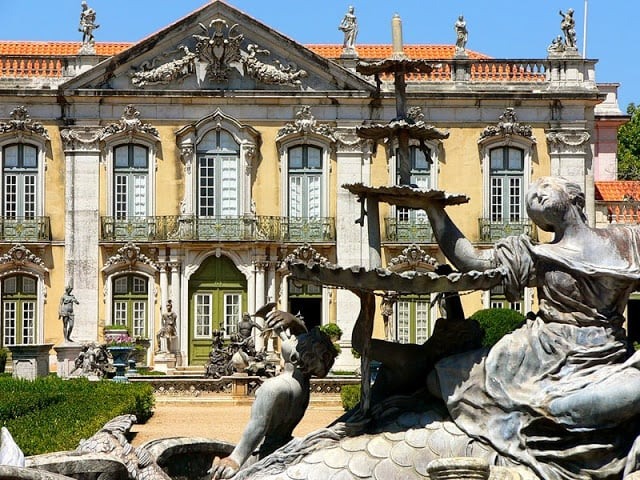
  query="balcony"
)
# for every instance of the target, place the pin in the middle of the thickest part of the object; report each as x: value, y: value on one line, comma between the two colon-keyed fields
x: 490, y: 231
x: 226, y: 228
x: 25, y: 229
x: 411, y: 231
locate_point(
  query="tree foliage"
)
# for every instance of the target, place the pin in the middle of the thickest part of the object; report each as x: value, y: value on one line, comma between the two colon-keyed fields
x: 629, y: 146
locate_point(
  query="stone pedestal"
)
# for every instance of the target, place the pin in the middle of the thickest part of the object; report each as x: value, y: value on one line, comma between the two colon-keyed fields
x: 164, y: 362
x: 30, y: 361
x: 67, y: 354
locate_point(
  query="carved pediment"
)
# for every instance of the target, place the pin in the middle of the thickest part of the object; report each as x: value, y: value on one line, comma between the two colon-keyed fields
x: 304, y: 124
x: 19, y: 257
x: 507, y: 125
x: 129, y: 257
x: 22, y: 123
x: 130, y: 124
x: 218, y: 47
x: 413, y: 258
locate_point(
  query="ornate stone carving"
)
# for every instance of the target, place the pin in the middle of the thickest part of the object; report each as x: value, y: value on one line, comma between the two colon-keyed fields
x: 130, y: 123
x: 19, y: 255
x: 128, y: 256
x: 217, y: 50
x: 568, y: 141
x: 269, y: 74
x: 412, y: 258
x: 307, y: 254
x: 215, y: 54
x: 84, y: 139
x: 21, y: 122
x: 167, y: 72
x: 305, y: 123
x: 508, y: 125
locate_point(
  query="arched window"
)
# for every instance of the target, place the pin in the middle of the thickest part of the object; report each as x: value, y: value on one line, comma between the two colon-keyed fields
x: 130, y: 299
x: 19, y: 300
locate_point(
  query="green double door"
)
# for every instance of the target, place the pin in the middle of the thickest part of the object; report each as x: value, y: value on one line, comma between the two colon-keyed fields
x: 217, y: 299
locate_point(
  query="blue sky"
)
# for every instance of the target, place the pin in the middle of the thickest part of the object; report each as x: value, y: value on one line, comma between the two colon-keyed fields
x: 499, y: 28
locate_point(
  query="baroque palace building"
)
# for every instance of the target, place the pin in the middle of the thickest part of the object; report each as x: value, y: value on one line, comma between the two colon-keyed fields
x: 186, y: 166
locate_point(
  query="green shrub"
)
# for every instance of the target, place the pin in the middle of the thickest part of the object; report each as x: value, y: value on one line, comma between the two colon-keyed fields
x: 4, y: 354
x: 332, y: 329
x: 496, y: 323
x: 50, y: 414
x: 350, y: 396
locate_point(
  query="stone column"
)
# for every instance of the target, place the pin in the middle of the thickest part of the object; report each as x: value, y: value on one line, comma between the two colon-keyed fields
x: 164, y: 283
x: 180, y: 347
x: 571, y: 158
x: 353, y: 166
x: 259, y: 299
x: 82, y: 227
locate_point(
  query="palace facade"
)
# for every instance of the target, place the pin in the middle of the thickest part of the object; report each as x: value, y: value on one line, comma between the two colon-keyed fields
x: 186, y: 166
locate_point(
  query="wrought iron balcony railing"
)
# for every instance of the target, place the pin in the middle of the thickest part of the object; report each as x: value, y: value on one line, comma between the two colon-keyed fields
x: 223, y: 228
x: 410, y: 231
x: 25, y: 229
x: 491, y: 231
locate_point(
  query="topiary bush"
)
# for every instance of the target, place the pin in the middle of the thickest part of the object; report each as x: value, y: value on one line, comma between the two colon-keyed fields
x: 496, y: 323
x: 350, y: 396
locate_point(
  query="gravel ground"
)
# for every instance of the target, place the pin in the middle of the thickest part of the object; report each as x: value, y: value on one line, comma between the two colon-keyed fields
x: 218, y: 420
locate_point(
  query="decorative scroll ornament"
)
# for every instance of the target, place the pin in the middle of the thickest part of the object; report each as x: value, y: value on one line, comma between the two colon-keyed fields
x: 508, y: 125
x: 305, y: 123
x: 217, y: 50
x: 81, y: 139
x: 305, y: 254
x: 19, y: 255
x: 21, y: 122
x: 128, y: 256
x: 130, y: 123
x: 215, y: 54
x: 269, y: 74
x: 569, y: 141
x: 412, y: 258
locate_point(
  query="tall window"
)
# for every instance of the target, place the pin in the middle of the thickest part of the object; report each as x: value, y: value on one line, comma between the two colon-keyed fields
x: 305, y: 182
x: 20, y: 179
x: 420, y: 178
x: 130, y: 298
x: 131, y: 173
x: 506, y: 182
x: 218, y: 172
x: 209, y: 305
x: 19, y: 296
x: 413, y: 320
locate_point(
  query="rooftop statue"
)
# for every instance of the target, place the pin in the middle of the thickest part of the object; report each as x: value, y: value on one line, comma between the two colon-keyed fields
x: 462, y: 35
x: 349, y: 26
x: 87, y: 24
x: 568, y: 27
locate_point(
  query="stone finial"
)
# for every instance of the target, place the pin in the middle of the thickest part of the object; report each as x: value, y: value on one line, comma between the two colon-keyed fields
x: 396, y: 38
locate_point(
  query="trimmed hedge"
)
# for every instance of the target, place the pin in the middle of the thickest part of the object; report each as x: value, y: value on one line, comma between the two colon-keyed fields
x: 49, y: 414
x: 350, y: 396
x: 497, y: 322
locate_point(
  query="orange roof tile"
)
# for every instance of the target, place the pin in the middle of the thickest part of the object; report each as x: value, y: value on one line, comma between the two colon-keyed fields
x: 435, y: 52
x: 29, y: 48
x: 617, y: 191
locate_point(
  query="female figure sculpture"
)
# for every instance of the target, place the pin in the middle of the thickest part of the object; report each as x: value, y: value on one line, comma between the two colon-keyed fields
x: 65, y: 312
x: 562, y: 393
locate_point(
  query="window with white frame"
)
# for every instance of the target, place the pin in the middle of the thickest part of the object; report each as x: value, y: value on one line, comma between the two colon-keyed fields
x: 506, y: 185
x: 203, y: 320
x: 497, y: 299
x: 232, y: 313
x: 218, y: 187
x: 130, y: 299
x: 420, y: 177
x: 130, y: 181
x: 20, y: 181
x: 305, y: 181
x: 413, y: 320
x: 19, y: 300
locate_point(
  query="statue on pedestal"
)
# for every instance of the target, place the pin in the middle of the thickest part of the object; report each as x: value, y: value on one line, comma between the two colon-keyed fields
x: 87, y: 24
x: 65, y: 312
x: 349, y: 26
x: 462, y: 35
x: 168, y: 329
